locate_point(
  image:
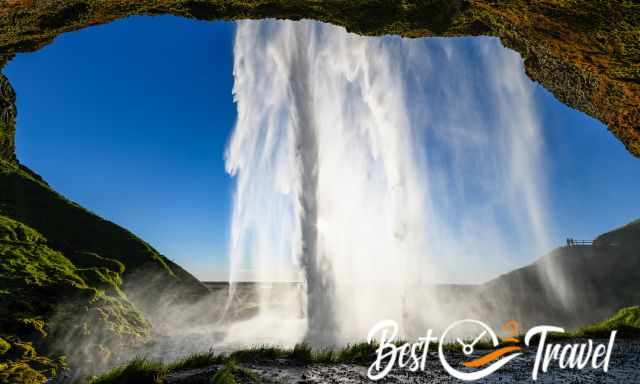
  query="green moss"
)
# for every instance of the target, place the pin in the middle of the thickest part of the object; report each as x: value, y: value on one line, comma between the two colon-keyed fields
x: 232, y: 373
x: 23, y: 364
x: 224, y: 376
x: 626, y: 321
x: 102, y: 251
x: 20, y: 372
x: 7, y: 118
x: 44, y: 297
x: 27, y: 260
x: 62, y: 271
x: 12, y: 231
x: 4, y: 346
x: 90, y: 260
x: 566, y: 44
x: 103, y: 279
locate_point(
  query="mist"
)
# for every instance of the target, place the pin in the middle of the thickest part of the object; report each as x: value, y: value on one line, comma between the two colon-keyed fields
x: 375, y: 178
x: 370, y: 175
x: 375, y: 168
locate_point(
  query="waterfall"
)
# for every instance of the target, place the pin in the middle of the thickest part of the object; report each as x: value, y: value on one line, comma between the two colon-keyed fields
x: 371, y: 168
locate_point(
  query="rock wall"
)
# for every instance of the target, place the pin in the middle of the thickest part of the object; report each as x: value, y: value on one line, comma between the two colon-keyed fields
x: 587, y: 53
x: 7, y: 120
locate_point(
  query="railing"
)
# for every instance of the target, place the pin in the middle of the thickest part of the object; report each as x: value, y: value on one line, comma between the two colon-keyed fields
x: 575, y: 243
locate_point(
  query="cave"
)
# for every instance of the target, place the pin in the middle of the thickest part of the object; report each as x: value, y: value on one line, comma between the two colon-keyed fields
x: 584, y: 60
x: 585, y: 54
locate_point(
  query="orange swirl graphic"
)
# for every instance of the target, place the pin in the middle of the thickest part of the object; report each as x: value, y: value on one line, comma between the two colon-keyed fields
x: 490, y: 357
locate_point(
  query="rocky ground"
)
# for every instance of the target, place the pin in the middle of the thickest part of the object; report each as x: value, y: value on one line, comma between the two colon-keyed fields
x: 624, y: 368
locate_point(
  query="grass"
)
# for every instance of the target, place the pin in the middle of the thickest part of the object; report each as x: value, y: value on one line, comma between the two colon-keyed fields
x: 197, y: 360
x: 224, y: 376
x: 139, y: 371
x: 231, y: 372
x: 143, y: 371
x: 626, y: 321
x: 304, y: 354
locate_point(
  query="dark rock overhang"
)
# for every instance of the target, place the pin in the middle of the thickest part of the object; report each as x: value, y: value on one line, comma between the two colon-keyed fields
x: 587, y: 53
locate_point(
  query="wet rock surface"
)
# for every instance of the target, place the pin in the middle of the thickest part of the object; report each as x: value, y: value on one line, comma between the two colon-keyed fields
x: 624, y: 367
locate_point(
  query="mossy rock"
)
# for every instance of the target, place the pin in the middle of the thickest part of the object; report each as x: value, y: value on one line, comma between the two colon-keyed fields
x: 87, y: 241
x: 13, y: 231
x: 63, y: 276
x: 45, y: 298
x: 20, y: 372
x: 25, y: 365
x: 90, y: 259
x: 584, y: 52
x: 4, y: 346
x: 626, y: 321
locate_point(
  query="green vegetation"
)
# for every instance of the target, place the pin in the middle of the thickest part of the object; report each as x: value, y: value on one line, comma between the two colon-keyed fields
x: 59, y: 260
x: 86, y: 239
x: 138, y: 371
x: 63, y: 288
x: 143, y: 371
x: 8, y: 119
x: 626, y: 321
x: 231, y: 373
x: 304, y: 354
x: 44, y: 298
x: 224, y: 376
x: 62, y: 273
x: 197, y: 360
x: 230, y: 370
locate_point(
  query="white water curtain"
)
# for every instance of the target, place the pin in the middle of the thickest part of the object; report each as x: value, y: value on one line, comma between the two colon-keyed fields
x: 374, y: 167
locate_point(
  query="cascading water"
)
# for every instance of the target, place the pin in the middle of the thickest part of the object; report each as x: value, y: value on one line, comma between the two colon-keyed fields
x: 376, y: 167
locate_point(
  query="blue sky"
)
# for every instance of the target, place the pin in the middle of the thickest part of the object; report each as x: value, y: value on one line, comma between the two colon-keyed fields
x: 131, y: 119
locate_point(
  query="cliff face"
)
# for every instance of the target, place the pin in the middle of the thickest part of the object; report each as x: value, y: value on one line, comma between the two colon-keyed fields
x: 78, y: 233
x: 569, y: 287
x: 73, y: 284
x: 7, y: 120
x: 587, y: 53
x: 49, y: 306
